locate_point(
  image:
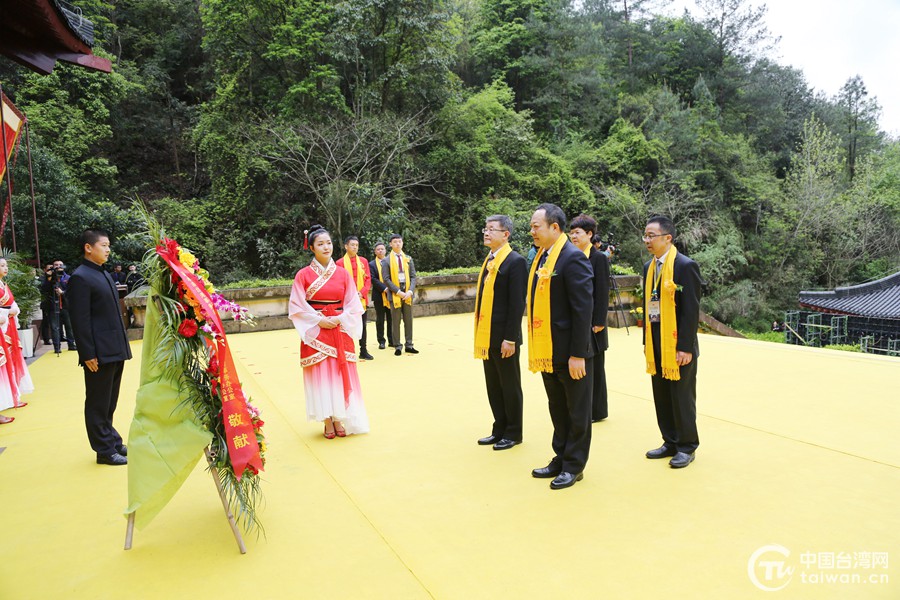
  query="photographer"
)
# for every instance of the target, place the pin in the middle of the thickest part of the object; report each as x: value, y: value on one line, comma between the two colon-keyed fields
x: 55, y: 306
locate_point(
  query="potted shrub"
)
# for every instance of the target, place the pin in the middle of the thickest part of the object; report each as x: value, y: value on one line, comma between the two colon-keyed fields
x: 23, y: 283
x: 638, y: 313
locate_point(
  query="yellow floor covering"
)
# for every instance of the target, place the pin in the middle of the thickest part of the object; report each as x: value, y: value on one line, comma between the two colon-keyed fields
x: 798, y: 448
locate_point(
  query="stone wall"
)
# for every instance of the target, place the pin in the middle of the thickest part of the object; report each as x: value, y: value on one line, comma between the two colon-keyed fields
x: 435, y: 295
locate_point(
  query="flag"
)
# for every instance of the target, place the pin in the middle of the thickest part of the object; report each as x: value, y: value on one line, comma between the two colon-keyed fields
x: 12, y: 124
x: 166, y: 440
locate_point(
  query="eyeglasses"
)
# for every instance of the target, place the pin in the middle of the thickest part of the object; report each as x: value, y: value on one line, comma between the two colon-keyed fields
x: 648, y: 237
x: 493, y: 230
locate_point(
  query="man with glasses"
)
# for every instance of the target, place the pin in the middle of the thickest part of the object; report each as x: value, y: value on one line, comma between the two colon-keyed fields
x: 499, y: 306
x: 672, y: 310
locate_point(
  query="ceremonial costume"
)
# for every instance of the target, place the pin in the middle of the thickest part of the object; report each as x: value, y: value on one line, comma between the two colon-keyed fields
x: 676, y: 287
x: 600, y: 265
x: 499, y: 306
x: 14, y: 377
x: 358, y: 269
x: 560, y: 305
x: 330, y: 379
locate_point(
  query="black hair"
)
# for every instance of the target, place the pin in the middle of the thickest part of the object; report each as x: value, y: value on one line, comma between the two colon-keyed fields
x: 395, y: 236
x: 379, y: 244
x: 91, y: 237
x: 350, y: 238
x: 314, y: 232
x: 553, y: 214
x: 584, y: 222
x: 665, y: 224
x: 596, y: 238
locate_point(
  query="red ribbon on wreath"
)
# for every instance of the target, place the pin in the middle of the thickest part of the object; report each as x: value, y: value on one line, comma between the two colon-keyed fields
x: 243, y: 449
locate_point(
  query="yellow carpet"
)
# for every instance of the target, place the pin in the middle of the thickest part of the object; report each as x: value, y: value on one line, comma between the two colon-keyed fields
x: 798, y: 448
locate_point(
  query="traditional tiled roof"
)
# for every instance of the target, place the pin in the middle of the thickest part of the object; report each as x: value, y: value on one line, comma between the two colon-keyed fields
x: 874, y: 299
x: 38, y: 33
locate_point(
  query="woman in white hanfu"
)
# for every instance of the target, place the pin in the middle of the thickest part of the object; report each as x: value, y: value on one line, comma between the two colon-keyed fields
x: 327, y: 313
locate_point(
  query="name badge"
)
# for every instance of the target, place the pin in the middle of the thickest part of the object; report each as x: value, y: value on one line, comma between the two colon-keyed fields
x: 653, y: 311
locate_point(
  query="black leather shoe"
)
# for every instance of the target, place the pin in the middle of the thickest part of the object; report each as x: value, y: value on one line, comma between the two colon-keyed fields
x: 398, y: 352
x: 565, y: 479
x: 661, y: 452
x: 506, y: 444
x: 412, y: 351
x: 381, y: 345
x: 551, y: 470
x: 598, y: 420
x: 123, y: 450
x: 489, y: 440
x: 366, y: 356
x: 114, y: 459
x: 681, y: 460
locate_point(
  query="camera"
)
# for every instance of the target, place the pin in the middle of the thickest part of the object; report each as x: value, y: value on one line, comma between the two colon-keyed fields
x: 607, y: 246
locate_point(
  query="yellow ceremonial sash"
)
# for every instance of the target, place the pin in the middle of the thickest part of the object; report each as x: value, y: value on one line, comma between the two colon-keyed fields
x: 485, y: 301
x: 668, y: 325
x: 395, y: 277
x: 384, y: 294
x: 360, y: 278
x: 540, y: 340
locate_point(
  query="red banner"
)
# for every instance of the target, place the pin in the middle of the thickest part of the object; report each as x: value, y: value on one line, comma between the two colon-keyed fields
x: 243, y: 448
x: 12, y: 124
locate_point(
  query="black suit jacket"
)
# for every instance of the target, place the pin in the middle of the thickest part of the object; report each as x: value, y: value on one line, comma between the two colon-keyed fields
x: 377, y: 285
x: 600, y: 265
x: 571, y: 305
x: 509, y: 300
x: 685, y: 273
x: 96, y: 320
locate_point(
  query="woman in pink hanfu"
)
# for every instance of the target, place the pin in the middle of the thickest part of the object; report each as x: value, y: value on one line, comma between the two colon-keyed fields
x: 14, y: 378
x: 327, y: 313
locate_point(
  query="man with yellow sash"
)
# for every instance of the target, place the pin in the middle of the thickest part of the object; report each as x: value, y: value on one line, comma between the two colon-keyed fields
x: 401, y: 285
x: 499, y: 306
x: 379, y: 297
x: 358, y: 268
x: 560, y: 306
x: 672, y: 311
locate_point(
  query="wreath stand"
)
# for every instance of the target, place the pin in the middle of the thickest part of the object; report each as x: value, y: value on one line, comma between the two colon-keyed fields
x: 129, y: 530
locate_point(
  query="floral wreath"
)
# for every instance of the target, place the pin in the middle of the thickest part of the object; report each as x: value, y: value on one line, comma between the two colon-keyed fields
x: 189, y: 307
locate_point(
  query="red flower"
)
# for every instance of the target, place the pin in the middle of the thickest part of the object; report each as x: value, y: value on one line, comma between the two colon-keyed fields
x: 188, y: 328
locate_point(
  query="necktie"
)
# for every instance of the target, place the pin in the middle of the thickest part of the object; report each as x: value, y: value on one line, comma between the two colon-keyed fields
x: 399, y: 263
x: 543, y: 259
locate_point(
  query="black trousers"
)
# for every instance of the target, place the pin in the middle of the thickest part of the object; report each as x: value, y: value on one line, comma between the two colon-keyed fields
x: 676, y: 408
x: 503, y: 377
x: 599, y: 403
x: 362, y: 340
x: 570, y: 411
x: 101, y: 397
x: 383, y: 314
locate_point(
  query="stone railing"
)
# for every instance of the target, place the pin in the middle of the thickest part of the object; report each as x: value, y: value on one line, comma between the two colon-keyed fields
x: 435, y: 295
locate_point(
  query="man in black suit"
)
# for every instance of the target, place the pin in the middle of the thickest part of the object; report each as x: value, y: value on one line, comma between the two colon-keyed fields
x: 674, y: 371
x: 102, y: 345
x: 564, y: 272
x: 382, y: 312
x: 498, y: 331
x: 581, y: 232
